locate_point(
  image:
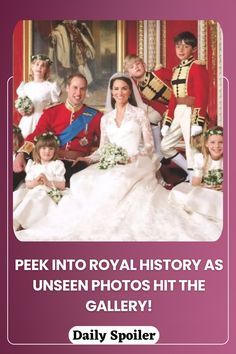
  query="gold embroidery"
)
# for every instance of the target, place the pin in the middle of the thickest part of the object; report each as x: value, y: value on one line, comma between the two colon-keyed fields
x: 72, y: 108
x: 153, y: 87
x: 179, y: 81
x: 27, y: 147
x: 166, y: 120
x: 196, y: 118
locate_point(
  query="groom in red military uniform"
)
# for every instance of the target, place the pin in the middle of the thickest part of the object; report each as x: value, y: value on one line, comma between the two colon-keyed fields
x: 76, y: 125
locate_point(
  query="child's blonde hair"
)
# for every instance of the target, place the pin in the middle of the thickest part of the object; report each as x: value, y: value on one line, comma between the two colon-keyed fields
x: 216, y: 130
x: 17, y: 138
x: 198, y: 141
x: 47, y: 139
x: 130, y: 59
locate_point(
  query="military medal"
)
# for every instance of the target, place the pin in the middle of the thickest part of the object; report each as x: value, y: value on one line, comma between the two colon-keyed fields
x: 83, y: 141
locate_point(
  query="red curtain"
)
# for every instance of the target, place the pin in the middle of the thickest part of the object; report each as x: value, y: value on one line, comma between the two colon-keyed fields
x: 131, y: 37
x: 172, y: 29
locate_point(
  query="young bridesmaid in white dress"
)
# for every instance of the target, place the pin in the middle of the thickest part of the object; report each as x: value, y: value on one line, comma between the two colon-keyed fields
x: 40, y: 91
x: 44, y: 182
x: 204, y: 195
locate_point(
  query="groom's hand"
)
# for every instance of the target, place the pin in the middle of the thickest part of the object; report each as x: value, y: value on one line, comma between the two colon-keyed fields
x: 81, y: 158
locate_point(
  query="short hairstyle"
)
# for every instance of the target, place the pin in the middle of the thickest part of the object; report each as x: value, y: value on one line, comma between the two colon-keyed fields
x: 45, y: 140
x: 132, y: 99
x: 131, y: 58
x: 78, y: 75
x: 187, y: 37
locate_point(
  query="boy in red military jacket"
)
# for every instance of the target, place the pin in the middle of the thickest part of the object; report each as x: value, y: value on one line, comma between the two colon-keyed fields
x: 155, y: 89
x: 187, y: 107
x: 154, y: 86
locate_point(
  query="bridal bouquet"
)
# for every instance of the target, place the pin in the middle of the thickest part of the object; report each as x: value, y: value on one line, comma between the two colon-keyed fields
x: 111, y: 155
x: 24, y: 105
x: 56, y: 195
x: 214, y: 178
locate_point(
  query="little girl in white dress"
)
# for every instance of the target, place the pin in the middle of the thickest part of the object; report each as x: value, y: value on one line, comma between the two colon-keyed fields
x: 44, y: 183
x: 41, y: 93
x: 204, y: 195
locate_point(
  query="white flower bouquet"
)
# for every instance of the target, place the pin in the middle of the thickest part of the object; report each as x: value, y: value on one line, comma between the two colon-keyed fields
x: 56, y: 195
x: 214, y: 178
x: 24, y: 105
x: 111, y: 155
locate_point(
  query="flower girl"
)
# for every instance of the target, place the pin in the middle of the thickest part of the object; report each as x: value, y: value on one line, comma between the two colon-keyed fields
x: 44, y: 183
x: 208, y: 170
x: 34, y: 96
x: 204, y: 195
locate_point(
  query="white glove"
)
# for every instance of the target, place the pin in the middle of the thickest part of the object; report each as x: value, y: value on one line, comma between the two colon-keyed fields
x: 153, y: 116
x: 196, y: 129
x: 164, y: 130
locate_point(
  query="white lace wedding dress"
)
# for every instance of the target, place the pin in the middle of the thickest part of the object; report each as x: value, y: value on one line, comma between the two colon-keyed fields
x: 123, y: 203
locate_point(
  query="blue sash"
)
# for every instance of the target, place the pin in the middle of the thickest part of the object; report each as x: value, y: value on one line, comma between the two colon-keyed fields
x: 77, y: 125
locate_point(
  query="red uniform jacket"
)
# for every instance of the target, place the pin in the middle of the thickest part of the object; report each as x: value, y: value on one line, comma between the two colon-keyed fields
x: 156, y: 89
x: 57, y: 118
x: 190, y: 78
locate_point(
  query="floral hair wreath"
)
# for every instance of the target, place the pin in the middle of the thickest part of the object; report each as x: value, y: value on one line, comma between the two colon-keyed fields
x: 16, y: 129
x: 213, y: 132
x: 47, y: 135
x: 41, y: 57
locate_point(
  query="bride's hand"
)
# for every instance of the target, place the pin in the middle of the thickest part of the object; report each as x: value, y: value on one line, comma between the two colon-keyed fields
x: 81, y: 158
x: 133, y: 158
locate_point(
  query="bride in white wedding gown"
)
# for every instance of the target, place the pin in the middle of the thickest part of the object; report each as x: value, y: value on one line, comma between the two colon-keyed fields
x: 125, y: 202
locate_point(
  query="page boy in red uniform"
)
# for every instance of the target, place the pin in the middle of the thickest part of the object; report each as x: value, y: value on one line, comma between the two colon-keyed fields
x: 154, y: 86
x: 155, y: 89
x: 187, y: 108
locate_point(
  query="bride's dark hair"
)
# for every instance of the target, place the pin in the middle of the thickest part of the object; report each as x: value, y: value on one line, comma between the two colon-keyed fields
x: 131, y: 99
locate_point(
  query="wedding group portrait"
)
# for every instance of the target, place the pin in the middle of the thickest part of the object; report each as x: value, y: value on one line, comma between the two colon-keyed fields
x: 117, y: 130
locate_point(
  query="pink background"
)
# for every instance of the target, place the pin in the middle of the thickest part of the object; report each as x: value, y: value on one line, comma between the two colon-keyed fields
x: 180, y: 317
